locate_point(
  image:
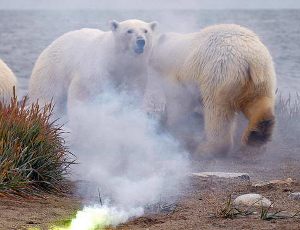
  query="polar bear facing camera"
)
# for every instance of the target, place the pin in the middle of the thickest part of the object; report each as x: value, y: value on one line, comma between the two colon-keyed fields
x: 233, y: 72
x: 77, y: 65
x: 7, y: 83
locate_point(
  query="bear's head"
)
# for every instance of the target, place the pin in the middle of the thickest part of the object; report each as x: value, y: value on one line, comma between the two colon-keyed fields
x: 133, y: 36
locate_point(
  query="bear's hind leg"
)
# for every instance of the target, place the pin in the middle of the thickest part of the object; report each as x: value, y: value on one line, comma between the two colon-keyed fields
x: 219, y: 128
x: 260, y: 114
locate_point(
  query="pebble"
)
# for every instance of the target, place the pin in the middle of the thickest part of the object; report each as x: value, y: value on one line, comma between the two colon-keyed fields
x: 252, y: 199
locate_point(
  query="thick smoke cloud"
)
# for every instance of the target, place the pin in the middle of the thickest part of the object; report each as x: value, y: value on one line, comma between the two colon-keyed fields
x: 122, y: 152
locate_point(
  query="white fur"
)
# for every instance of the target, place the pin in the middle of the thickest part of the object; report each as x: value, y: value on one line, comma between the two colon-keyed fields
x: 221, y: 61
x: 78, y: 64
x: 7, y: 82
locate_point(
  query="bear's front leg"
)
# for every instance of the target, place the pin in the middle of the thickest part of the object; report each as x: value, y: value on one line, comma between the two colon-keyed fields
x: 79, y: 92
x: 154, y: 101
x: 154, y: 106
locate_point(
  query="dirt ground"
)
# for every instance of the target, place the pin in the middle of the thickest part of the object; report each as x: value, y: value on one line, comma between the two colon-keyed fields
x: 199, y: 208
x: 24, y: 213
x: 199, y: 203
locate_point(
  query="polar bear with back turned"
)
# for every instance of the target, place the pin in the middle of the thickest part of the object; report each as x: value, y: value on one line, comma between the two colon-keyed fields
x: 233, y: 71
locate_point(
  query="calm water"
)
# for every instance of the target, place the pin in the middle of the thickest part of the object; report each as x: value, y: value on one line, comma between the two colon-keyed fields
x: 24, y: 34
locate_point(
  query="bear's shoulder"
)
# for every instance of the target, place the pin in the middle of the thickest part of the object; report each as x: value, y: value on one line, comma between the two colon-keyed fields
x: 76, y: 43
x: 85, y: 34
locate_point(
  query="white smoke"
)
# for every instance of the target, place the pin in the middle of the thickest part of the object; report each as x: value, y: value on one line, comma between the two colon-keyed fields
x: 122, y: 152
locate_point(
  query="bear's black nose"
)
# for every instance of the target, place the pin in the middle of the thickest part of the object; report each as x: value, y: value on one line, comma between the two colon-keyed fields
x: 140, y: 43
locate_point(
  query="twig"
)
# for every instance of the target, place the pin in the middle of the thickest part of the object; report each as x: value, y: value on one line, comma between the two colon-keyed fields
x: 100, y: 199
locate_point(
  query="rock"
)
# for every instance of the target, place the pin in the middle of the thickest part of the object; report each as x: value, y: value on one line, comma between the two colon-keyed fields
x: 295, y: 196
x: 261, y: 184
x: 252, y: 199
x: 243, y: 176
x: 284, y: 215
x: 270, y: 183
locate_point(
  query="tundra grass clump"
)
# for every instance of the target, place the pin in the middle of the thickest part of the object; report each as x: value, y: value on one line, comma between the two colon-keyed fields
x: 33, y: 153
x: 288, y: 119
x: 230, y: 211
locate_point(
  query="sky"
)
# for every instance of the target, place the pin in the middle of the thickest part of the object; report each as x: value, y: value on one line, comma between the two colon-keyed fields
x: 149, y: 4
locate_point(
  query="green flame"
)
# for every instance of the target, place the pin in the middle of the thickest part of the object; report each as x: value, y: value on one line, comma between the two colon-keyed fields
x: 92, y: 218
x: 89, y: 219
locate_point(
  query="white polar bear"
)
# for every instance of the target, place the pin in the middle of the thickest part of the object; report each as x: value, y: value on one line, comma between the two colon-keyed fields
x: 7, y: 83
x: 78, y: 64
x: 233, y: 72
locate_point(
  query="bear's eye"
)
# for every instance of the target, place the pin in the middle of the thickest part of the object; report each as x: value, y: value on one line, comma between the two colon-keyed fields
x: 129, y: 31
x: 145, y: 31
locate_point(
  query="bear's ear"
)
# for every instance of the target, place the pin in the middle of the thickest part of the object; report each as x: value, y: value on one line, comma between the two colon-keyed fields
x: 114, y: 25
x: 153, y: 25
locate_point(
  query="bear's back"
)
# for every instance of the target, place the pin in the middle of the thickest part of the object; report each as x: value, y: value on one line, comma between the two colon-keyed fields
x: 230, y: 45
x: 169, y: 52
x: 73, y: 45
x: 71, y: 50
x: 227, y: 40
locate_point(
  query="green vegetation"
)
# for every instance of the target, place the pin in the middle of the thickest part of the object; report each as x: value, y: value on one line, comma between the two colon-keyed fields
x: 265, y: 213
x: 33, y: 154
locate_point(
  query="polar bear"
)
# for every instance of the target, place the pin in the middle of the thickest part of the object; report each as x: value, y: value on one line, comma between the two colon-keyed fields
x: 78, y: 64
x: 233, y: 72
x: 8, y: 82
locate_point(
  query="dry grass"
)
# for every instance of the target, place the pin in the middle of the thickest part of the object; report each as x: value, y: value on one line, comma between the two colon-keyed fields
x: 288, y: 107
x: 288, y: 118
x: 33, y: 154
